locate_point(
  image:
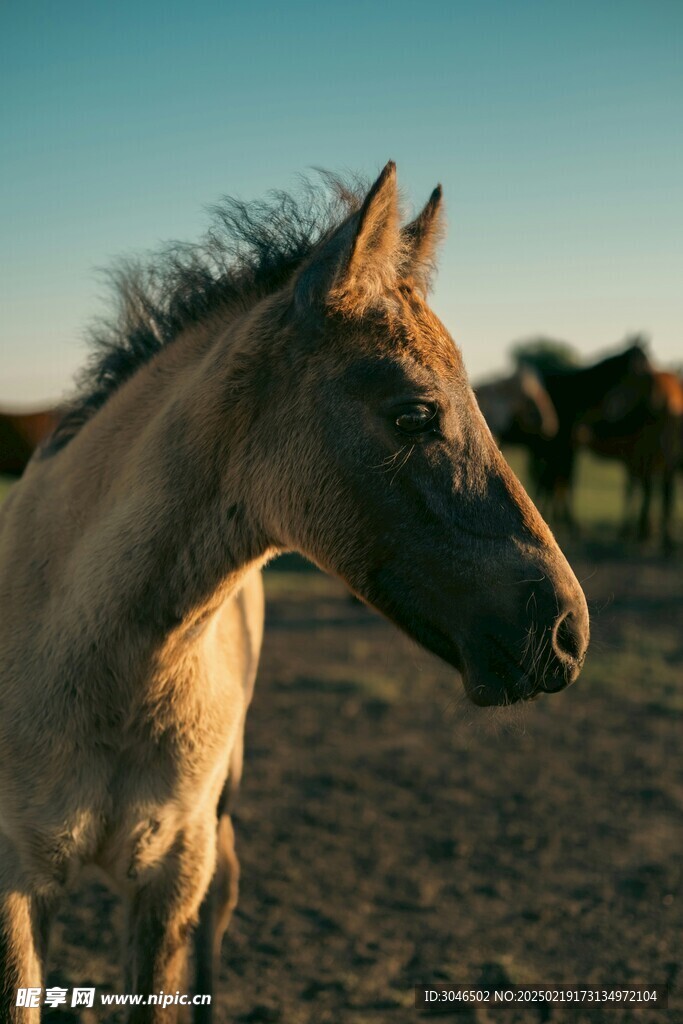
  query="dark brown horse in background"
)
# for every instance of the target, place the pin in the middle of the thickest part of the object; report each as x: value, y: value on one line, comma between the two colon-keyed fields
x: 20, y: 435
x: 578, y: 395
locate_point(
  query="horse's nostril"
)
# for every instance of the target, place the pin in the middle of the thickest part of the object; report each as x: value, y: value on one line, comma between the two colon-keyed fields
x: 570, y: 642
x: 569, y: 639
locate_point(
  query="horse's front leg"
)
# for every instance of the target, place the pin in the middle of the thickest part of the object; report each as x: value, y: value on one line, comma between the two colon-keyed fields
x: 20, y: 965
x: 24, y: 924
x: 162, y: 911
x: 214, y: 918
x: 221, y: 898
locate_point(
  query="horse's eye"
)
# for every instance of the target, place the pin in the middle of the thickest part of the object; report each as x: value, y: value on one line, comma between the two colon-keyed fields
x: 417, y: 419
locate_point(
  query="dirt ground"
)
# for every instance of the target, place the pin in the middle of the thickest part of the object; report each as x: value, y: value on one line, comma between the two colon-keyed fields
x: 390, y: 834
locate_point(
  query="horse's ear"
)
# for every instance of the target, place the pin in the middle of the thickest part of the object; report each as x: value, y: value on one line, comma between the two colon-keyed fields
x: 527, y: 375
x: 421, y: 239
x: 640, y: 359
x: 360, y: 260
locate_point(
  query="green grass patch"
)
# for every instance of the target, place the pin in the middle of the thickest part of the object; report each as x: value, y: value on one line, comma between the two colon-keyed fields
x: 6, y: 483
x: 300, y: 586
x: 643, y: 665
x: 599, y: 491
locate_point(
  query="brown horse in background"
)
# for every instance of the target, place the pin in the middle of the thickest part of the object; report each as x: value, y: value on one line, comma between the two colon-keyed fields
x: 284, y: 386
x: 20, y: 435
x: 517, y: 408
x: 640, y: 423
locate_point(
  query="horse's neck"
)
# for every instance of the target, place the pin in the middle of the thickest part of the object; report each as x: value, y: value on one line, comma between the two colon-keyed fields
x: 596, y: 380
x: 576, y: 391
x: 162, y: 532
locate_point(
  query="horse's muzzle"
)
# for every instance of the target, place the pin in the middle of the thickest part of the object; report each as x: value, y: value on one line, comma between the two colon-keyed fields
x: 508, y: 671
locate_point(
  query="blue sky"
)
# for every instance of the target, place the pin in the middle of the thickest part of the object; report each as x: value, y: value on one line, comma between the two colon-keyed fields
x: 555, y: 128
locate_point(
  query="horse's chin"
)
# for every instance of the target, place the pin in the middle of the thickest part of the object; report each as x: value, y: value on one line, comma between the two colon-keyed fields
x: 490, y: 681
x: 487, y: 689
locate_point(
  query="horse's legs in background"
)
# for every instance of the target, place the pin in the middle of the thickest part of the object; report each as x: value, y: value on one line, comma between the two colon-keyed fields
x: 668, y: 492
x: 214, y: 917
x: 563, y: 511
x: 630, y: 491
x: 162, y: 910
x: 24, y: 925
x: 644, y: 518
x: 556, y: 477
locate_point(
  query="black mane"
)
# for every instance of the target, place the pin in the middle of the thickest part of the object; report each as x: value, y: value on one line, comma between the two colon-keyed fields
x: 250, y: 249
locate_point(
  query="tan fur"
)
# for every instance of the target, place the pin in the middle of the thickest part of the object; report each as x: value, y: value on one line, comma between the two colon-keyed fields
x: 131, y: 599
x: 421, y: 240
x: 370, y: 267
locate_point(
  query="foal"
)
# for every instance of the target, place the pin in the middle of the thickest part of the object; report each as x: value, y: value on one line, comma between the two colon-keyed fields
x: 284, y: 387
